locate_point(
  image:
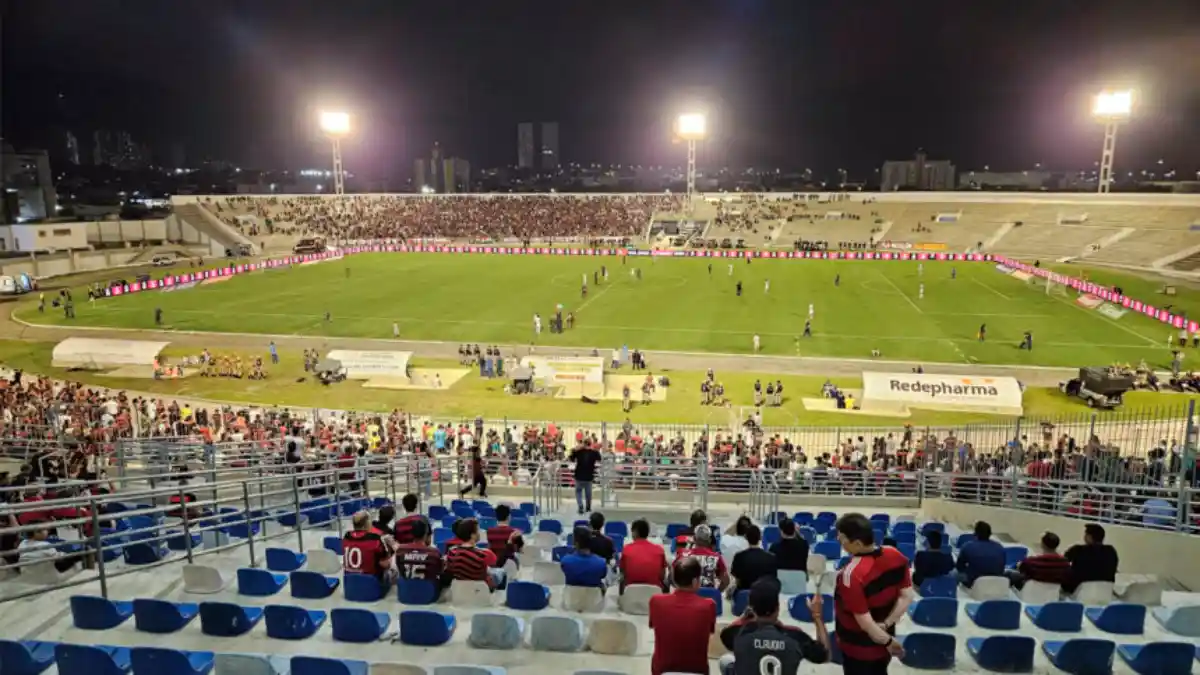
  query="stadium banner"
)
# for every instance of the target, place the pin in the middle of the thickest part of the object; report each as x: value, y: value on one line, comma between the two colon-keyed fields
x: 1089, y: 301
x: 1105, y: 293
x: 1000, y: 395
x: 930, y: 246
x: 101, y: 354
x: 1004, y: 269
x: 364, y: 365
x: 1112, y: 311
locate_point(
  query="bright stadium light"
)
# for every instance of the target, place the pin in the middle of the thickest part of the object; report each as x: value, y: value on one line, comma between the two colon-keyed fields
x: 691, y: 127
x: 336, y: 125
x: 1112, y: 108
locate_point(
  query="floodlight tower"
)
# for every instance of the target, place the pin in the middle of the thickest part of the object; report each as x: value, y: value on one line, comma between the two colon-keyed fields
x: 691, y: 127
x: 1112, y: 108
x: 336, y: 126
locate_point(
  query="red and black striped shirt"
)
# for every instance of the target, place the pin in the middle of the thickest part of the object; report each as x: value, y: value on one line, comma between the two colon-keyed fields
x: 403, y: 528
x: 1050, y: 568
x: 497, y: 539
x: 470, y: 563
x: 870, y: 584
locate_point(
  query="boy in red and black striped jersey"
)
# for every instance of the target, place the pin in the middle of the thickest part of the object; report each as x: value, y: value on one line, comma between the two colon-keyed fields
x: 504, y: 540
x: 404, y: 527
x: 1049, y: 567
x: 467, y: 562
x: 873, y: 592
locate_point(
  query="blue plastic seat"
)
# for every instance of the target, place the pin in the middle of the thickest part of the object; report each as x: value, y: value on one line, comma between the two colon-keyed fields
x: 827, y: 515
x: 1181, y: 619
x: 618, y: 543
x: 318, y: 511
x: 934, y: 612
x: 225, y: 619
x: 437, y: 512
x: 995, y: 614
x: 714, y: 595
x: 312, y: 585
x: 94, y: 613
x: 830, y: 549
x: 616, y: 528
x: 904, y: 526
x: 557, y: 553
x: 880, y: 532
x: 908, y: 551
x: 1159, y: 658
x: 26, y: 657
x: 880, y: 518
x: 361, y: 587
x: 91, y: 659
x: 771, y: 535
x: 1081, y: 656
x: 486, y: 512
x: 170, y: 661
x: 1060, y: 617
x: 1119, y: 618
x: 284, y: 560
x: 926, y: 528
x: 529, y: 509
x: 179, y: 540
x: 774, y: 518
x: 463, y: 512
x: 550, y: 525
x: 521, y: 524
x: 940, y: 587
x: 315, y: 665
x: 358, y: 625
x: 821, y: 526
x: 809, y: 535
x: 459, y: 503
x: 1003, y: 653
x: 905, y: 538
x: 285, y: 622
x: 675, y: 529
x: 144, y: 553
x: 1013, y: 555
x: 929, y: 651
x: 487, y: 522
x: 161, y: 616
x: 449, y: 521
x: 798, y: 608
x: 333, y: 544
x: 741, y: 600
x: 417, y: 591
x: 442, y: 535
x: 527, y: 595
x: 259, y: 583
x: 803, y: 518
x: 424, y: 628
x: 843, y: 561
x: 963, y: 540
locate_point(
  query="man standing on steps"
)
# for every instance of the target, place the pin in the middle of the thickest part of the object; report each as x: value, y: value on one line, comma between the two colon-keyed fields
x: 586, y: 458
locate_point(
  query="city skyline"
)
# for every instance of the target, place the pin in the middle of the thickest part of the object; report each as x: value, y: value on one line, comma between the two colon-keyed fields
x: 790, y: 86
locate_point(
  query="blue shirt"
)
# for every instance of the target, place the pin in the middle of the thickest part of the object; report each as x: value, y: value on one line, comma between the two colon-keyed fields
x: 584, y: 570
x: 439, y: 439
x: 981, y: 559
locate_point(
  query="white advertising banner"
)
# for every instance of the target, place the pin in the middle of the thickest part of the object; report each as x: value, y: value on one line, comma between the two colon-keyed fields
x: 99, y: 354
x: 944, y: 392
x: 364, y: 365
x: 566, y: 369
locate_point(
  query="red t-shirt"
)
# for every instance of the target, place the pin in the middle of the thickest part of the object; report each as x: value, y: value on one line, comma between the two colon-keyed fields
x: 403, y: 528
x: 682, y: 623
x: 643, y: 562
x: 364, y: 552
x: 497, y: 540
x: 712, y: 565
x: 418, y: 561
x: 868, y: 584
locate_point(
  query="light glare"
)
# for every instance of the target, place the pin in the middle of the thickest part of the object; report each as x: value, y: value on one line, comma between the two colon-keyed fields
x: 691, y: 126
x: 1113, y: 104
x: 335, y: 123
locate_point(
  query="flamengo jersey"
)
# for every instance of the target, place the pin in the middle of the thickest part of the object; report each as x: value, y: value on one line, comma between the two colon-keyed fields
x: 868, y: 584
x: 711, y: 565
x: 364, y: 550
x: 418, y: 561
x: 403, y: 528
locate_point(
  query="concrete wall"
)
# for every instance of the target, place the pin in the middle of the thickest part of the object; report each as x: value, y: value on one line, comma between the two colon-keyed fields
x: 1169, y: 555
x: 57, y: 264
x: 126, y: 231
x: 45, y: 237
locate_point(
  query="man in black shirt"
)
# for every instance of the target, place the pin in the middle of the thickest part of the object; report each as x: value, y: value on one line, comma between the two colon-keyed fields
x: 753, y: 563
x: 791, y: 551
x: 1093, y: 560
x: 585, y: 459
x: 761, y: 644
x: 601, y: 545
x: 933, y: 561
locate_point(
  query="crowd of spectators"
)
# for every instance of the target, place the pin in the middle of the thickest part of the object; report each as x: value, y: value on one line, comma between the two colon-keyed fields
x: 492, y: 217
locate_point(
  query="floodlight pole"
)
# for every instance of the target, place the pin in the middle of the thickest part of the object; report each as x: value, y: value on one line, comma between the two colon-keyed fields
x: 339, y: 178
x: 691, y: 169
x: 1106, y: 156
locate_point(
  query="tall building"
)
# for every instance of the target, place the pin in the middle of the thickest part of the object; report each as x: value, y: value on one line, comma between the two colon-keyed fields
x: 918, y: 173
x: 29, y: 187
x: 71, y: 142
x: 549, y: 146
x: 118, y: 150
x: 441, y: 174
x: 525, y: 146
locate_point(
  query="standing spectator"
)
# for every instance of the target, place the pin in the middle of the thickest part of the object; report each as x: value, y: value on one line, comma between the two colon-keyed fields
x: 583, y: 567
x: 586, y: 458
x: 478, y: 478
x: 933, y: 561
x: 983, y: 557
x: 643, y: 561
x: 1093, y: 560
x: 874, y: 583
x: 682, y: 623
x: 791, y: 551
x: 761, y: 643
x: 1048, y: 567
x: 753, y: 563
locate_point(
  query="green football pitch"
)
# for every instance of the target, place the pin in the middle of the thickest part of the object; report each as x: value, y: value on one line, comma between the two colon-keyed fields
x: 677, y: 304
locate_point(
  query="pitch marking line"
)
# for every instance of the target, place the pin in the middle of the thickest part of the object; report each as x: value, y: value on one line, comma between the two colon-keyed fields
x: 980, y: 283
x: 902, y: 293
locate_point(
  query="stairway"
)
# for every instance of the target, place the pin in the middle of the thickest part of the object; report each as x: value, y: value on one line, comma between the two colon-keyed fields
x: 206, y: 223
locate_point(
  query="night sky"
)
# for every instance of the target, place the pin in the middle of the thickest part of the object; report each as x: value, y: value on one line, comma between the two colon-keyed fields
x: 788, y: 83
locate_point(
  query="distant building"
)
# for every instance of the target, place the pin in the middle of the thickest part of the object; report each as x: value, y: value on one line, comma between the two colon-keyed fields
x: 440, y: 174
x: 549, y: 146
x: 118, y: 150
x: 29, y: 186
x: 71, y: 143
x: 918, y: 173
x: 525, y: 146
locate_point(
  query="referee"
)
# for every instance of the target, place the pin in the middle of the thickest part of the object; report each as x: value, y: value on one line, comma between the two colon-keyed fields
x: 873, y: 592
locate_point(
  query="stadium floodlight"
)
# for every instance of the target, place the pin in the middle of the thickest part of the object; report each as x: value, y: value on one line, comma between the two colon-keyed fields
x: 1112, y: 108
x: 336, y: 125
x: 691, y: 127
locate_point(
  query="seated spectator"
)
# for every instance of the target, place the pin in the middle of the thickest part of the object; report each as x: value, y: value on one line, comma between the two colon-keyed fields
x: 734, y: 541
x: 365, y: 552
x: 583, y: 567
x: 753, y: 563
x: 642, y: 561
x: 467, y: 562
x: 791, y: 551
x: 387, y: 513
x: 419, y: 558
x: 759, y: 642
x: 504, y: 540
x: 933, y: 561
x: 600, y: 544
x: 980, y: 558
x: 1093, y: 560
x: 37, y: 547
x: 713, y: 573
x: 1048, y: 566
x: 403, y: 529
x: 684, y: 539
x: 682, y: 623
